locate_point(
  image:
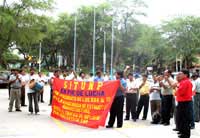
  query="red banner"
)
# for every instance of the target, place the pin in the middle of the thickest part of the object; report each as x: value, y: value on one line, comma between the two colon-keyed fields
x: 83, y: 103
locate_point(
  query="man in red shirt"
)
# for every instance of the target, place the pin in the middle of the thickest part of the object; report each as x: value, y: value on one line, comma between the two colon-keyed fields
x: 184, y: 99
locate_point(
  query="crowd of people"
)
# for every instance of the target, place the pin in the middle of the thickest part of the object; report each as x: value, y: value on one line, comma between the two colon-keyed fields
x: 167, y: 96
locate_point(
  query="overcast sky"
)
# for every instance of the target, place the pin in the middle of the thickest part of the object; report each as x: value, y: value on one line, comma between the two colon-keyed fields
x: 157, y: 10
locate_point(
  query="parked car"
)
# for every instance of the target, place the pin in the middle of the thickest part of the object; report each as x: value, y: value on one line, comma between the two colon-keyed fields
x: 4, y: 75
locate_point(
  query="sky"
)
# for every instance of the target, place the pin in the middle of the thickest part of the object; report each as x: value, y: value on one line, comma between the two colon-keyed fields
x: 157, y: 11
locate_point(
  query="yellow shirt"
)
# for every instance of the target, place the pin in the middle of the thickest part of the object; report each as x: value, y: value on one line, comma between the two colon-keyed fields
x: 145, y: 89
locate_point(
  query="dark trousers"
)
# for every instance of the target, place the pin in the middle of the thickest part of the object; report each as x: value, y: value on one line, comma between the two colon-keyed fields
x: 33, y: 97
x: 197, y: 107
x: 131, y: 103
x: 184, y: 119
x: 40, y: 96
x: 166, y: 108
x: 143, y: 101
x: 23, y: 95
x: 155, y: 106
x: 192, y: 124
x: 51, y: 96
x: 117, y: 111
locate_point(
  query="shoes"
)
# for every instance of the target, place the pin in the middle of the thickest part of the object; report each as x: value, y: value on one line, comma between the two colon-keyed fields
x: 192, y: 127
x: 108, y: 126
x: 42, y: 101
x: 36, y: 113
x: 152, y: 122
x: 175, y: 129
x: 166, y: 124
x: 119, y: 126
x: 9, y: 110
x: 143, y: 118
x: 134, y: 120
x: 18, y: 110
x: 126, y: 119
x: 49, y: 104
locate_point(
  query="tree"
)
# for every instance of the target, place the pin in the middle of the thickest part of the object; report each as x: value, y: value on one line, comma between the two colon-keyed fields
x: 20, y: 25
x: 183, y: 34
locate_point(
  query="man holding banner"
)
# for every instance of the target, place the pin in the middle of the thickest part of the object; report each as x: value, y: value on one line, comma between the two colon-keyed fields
x: 118, y: 103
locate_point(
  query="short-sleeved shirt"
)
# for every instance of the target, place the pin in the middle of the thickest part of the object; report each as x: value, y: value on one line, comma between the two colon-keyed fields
x: 31, y: 77
x: 132, y: 85
x: 119, y: 91
x: 96, y: 79
x: 16, y: 84
x: 144, y: 90
x: 169, y: 89
x: 197, y: 83
x: 155, y: 95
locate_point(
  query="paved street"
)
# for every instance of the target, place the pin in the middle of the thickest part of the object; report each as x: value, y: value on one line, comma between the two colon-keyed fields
x: 20, y: 124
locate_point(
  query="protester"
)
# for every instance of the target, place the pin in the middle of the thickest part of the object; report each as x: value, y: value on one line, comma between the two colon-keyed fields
x: 144, y: 89
x: 15, y: 91
x: 118, y: 103
x: 55, y: 75
x: 24, y: 79
x: 82, y: 77
x: 41, y: 81
x: 33, y: 94
x: 197, y: 99
x: 155, y: 99
x: 167, y: 97
x: 184, y: 99
x: 131, y: 97
x: 9, y: 87
x: 98, y: 76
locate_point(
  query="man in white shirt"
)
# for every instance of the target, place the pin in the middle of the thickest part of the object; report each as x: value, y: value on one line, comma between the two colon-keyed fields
x: 131, y: 97
x: 41, y: 80
x: 24, y: 79
x: 167, y: 97
x: 32, y: 94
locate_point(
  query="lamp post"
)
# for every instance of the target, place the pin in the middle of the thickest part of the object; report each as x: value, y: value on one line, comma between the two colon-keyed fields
x: 75, y: 20
x: 94, y: 43
x: 104, y: 52
x: 112, y: 47
x: 40, y: 56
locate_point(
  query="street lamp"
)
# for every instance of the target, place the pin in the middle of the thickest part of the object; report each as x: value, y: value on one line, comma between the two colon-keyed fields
x: 104, y: 52
x: 112, y: 47
x: 40, y: 56
x: 75, y: 20
x: 94, y: 43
